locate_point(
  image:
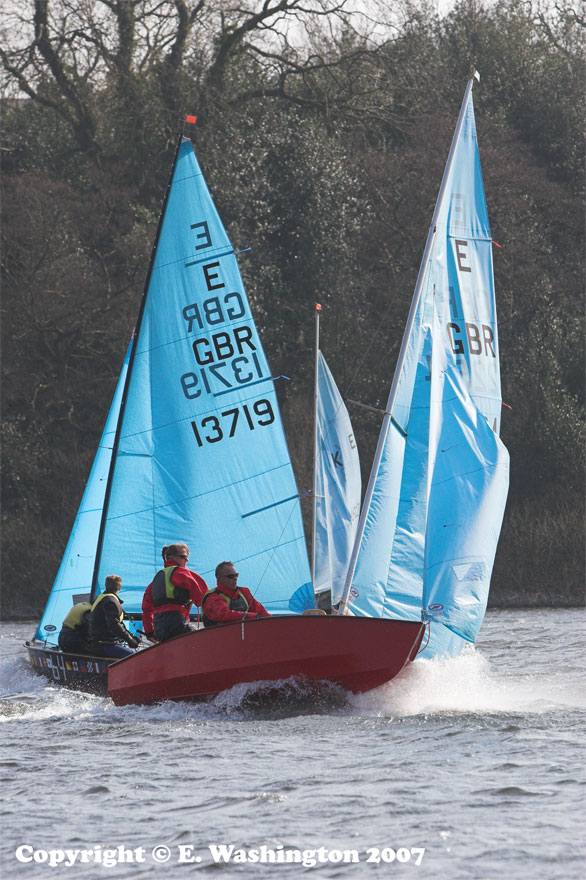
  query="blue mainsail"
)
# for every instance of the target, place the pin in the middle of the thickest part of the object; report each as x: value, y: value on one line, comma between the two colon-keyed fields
x: 201, y: 455
x: 74, y: 578
x: 433, y: 514
x: 338, y: 485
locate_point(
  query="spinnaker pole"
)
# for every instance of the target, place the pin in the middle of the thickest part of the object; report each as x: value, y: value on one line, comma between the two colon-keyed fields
x: 343, y: 606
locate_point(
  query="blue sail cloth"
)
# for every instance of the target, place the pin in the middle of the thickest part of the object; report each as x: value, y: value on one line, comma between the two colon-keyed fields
x: 302, y: 599
x: 468, y: 483
x: 338, y: 486
x: 202, y: 456
x: 435, y: 515
x: 74, y: 578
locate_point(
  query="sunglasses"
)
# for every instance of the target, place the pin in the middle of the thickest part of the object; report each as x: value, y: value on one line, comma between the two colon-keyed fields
x: 182, y: 556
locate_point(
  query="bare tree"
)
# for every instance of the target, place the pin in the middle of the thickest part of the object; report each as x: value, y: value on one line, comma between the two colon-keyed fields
x: 62, y: 54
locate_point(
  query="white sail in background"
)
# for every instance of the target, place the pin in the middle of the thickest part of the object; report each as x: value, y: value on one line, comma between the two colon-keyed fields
x: 338, y: 486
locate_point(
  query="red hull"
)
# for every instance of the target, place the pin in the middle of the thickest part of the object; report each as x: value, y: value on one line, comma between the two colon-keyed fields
x: 357, y: 653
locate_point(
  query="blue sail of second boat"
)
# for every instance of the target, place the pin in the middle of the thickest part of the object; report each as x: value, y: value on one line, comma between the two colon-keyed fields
x: 432, y: 522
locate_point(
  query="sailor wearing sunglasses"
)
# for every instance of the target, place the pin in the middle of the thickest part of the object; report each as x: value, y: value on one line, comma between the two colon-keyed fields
x: 168, y: 599
x: 228, y: 602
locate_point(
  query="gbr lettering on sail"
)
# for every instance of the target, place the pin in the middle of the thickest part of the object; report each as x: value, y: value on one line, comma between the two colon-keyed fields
x: 224, y: 349
x: 226, y: 353
x: 467, y: 336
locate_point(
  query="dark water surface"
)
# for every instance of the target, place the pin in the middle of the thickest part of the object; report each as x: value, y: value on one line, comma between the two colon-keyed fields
x: 478, y: 761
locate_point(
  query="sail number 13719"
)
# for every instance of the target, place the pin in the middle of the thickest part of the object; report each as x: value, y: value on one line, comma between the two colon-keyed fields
x: 213, y: 428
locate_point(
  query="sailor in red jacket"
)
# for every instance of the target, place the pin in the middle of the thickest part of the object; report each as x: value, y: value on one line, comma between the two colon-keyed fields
x: 167, y: 600
x: 229, y: 602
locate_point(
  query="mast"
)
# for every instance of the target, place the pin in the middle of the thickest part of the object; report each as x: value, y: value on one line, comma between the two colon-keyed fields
x: 95, y: 585
x: 315, y: 450
x: 343, y: 606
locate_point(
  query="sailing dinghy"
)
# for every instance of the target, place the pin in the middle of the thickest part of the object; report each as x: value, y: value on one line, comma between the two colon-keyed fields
x: 194, y: 450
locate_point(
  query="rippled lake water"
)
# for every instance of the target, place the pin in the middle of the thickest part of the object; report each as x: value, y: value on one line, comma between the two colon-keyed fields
x: 470, y: 768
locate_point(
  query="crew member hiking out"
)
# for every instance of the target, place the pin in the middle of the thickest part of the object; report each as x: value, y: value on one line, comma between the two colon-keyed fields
x: 229, y: 602
x: 108, y: 635
x: 74, y: 635
x: 168, y: 598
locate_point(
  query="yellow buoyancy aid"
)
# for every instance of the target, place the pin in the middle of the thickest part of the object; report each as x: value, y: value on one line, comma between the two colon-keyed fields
x: 74, y: 618
x: 103, y: 596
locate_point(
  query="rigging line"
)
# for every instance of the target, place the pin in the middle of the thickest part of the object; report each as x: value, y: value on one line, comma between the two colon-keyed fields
x: 213, y: 253
x: 428, y: 638
x: 367, y: 349
x: 351, y: 383
x: 316, y: 397
x: 375, y: 409
x: 383, y: 412
x: 244, y: 385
